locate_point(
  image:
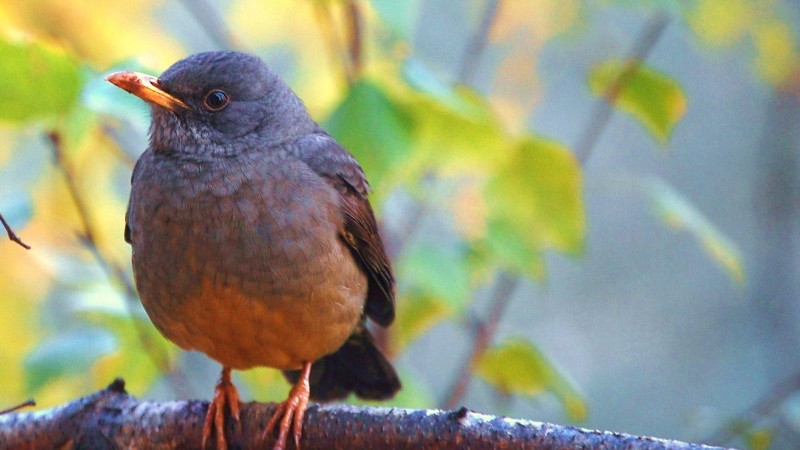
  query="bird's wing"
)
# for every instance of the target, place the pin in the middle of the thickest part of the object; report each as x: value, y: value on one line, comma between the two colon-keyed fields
x: 337, y: 166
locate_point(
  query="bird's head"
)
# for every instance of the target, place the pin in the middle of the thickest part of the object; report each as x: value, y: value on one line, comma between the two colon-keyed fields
x: 216, y: 103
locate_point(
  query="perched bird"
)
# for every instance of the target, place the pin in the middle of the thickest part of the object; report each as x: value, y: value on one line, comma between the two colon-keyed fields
x: 253, y: 239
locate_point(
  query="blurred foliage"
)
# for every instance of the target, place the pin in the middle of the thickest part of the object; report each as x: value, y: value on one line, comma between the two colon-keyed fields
x: 760, y: 439
x: 498, y: 195
x: 679, y: 213
x: 653, y: 98
x: 725, y: 23
x: 46, y: 80
x: 517, y: 367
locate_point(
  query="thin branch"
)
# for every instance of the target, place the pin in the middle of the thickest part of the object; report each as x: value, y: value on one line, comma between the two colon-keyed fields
x: 507, y: 282
x: 771, y: 401
x: 11, y: 235
x: 25, y: 404
x: 355, y: 34
x: 114, y: 271
x: 113, y: 419
x: 212, y: 23
x: 336, y: 49
x: 484, y: 331
x: 477, y: 43
x: 602, y: 111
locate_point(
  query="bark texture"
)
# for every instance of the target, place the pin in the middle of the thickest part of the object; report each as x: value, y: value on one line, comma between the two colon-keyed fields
x: 112, y: 419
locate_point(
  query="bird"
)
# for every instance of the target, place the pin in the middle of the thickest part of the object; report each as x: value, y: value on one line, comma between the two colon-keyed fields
x: 253, y: 239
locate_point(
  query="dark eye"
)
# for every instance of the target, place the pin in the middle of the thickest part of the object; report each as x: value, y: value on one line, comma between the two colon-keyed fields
x: 216, y: 100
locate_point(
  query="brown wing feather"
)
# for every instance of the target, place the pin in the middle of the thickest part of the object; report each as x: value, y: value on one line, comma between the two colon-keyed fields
x: 331, y: 161
x: 362, y: 236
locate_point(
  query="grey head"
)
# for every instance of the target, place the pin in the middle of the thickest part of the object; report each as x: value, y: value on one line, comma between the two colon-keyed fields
x: 232, y: 101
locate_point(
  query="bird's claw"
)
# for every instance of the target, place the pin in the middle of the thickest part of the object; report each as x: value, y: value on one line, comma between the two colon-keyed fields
x: 225, y: 393
x: 291, y: 412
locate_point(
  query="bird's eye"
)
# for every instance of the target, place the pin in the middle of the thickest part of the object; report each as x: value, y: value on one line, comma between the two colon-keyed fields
x: 216, y: 100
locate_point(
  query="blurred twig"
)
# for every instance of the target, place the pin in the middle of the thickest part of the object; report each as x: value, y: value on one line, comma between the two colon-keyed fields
x: 505, y: 283
x: 11, y: 235
x: 336, y: 48
x: 477, y: 43
x: 355, y: 29
x: 603, y: 108
x: 762, y: 408
x: 114, y: 271
x: 25, y: 404
x: 483, y: 335
x: 211, y: 21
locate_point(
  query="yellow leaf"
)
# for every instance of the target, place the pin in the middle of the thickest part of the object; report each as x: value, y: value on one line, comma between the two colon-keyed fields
x: 97, y: 30
x: 776, y: 55
x: 759, y: 439
x: 538, y: 193
x: 415, y: 315
x: 517, y: 367
x: 721, y: 22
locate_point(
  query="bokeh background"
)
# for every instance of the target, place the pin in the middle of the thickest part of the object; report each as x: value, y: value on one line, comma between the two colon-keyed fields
x: 592, y: 206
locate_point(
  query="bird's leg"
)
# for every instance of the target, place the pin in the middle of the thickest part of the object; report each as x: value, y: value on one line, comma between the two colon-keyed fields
x: 291, y: 411
x: 224, y: 393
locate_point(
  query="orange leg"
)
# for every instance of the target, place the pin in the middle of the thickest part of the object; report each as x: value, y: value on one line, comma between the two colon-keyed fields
x: 291, y: 411
x: 224, y: 393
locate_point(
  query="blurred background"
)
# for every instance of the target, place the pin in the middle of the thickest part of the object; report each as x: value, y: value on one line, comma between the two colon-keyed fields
x: 592, y: 207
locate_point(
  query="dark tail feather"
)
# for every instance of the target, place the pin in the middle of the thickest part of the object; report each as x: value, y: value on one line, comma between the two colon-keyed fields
x: 357, y: 367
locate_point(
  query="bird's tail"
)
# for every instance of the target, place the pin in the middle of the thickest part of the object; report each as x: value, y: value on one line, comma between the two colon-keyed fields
x: 357, y: 367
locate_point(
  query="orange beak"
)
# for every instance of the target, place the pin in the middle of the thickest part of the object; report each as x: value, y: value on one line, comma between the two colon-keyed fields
x: 148, y: 89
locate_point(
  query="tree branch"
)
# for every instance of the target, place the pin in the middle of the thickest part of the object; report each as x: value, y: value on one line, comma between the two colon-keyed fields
x: 484, y: 331
x: 762, y: 408
x: 113, y: 419
x: 11, y: 235
x: 355, y: 36
x: 477, y: 44
x: 24, y: 404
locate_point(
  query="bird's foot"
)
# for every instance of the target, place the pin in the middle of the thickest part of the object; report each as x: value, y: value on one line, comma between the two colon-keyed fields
x: 224, y: 394
x: 291, y: 411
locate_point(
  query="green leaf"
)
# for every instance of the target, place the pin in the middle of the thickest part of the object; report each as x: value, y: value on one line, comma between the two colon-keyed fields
x: 535, y: 204
x: 438, y: 270
x: 678, y: 213
x: 653, y: 98
x: 512, y: 249
x: 458, y: 132
x: 517, y: 367
x: 36, y: 80
x: 70, y: 353
x: 416, y: 314
x: 374, y: 127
